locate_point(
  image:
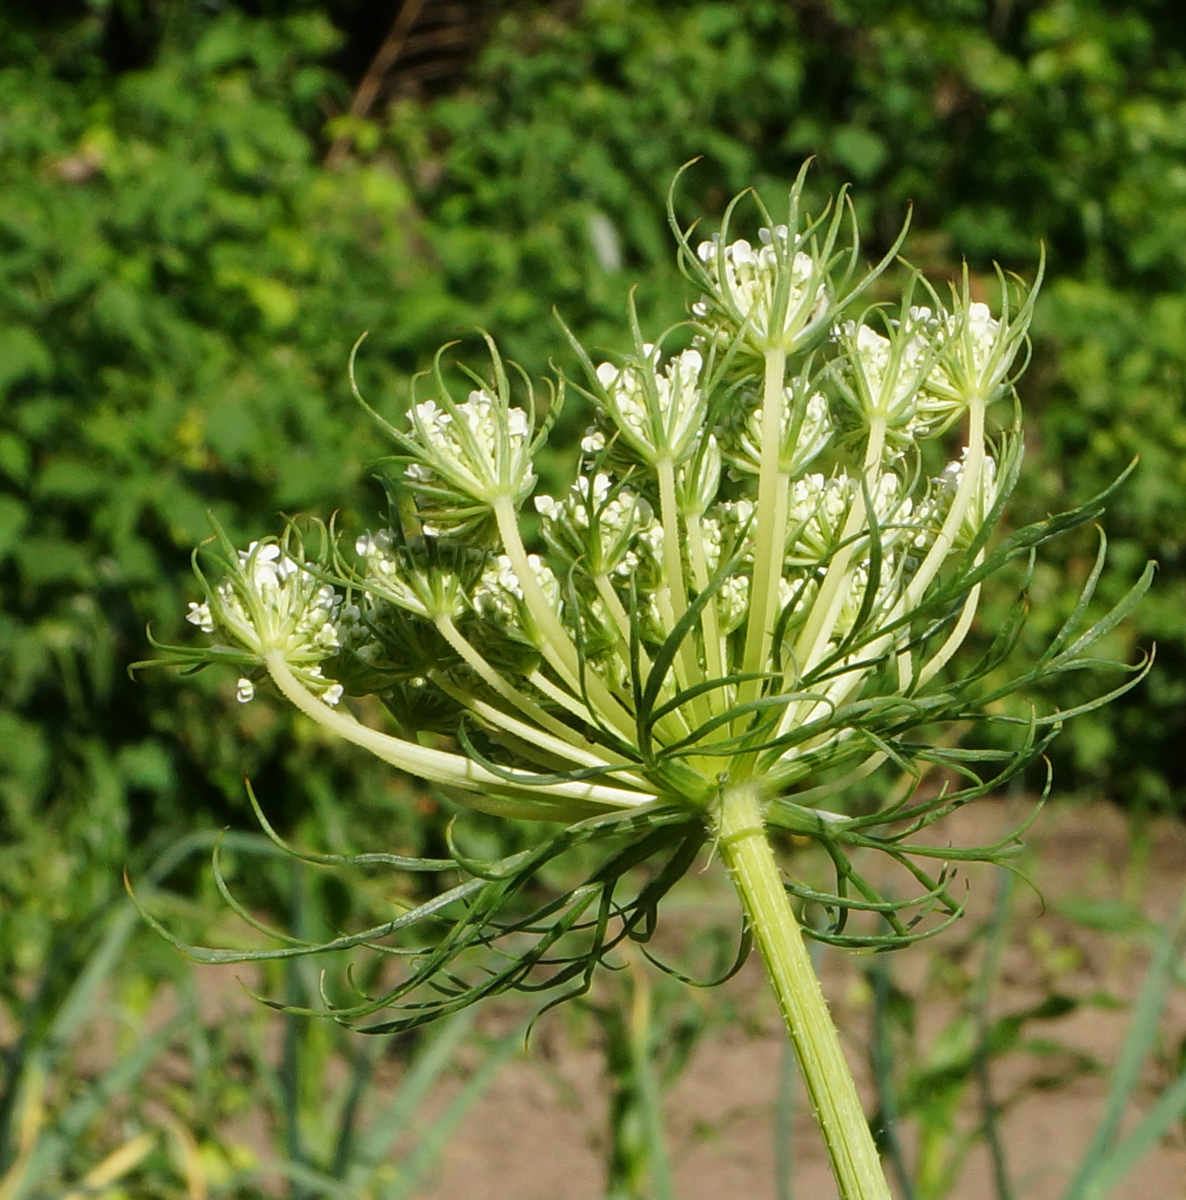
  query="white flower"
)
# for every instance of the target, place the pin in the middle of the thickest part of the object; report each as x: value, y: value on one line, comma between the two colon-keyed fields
x: 885, y: 376
x: 594, y: 440
x: 750, y: 284
x: 377, y: 545
x: 659, y: 412
x: 548, y: 507
x: 480, y: 448
x: 331, y: 693
x: 245, y: 691
x: 982, y: 330
x: 596, y: 524
x: 733, y: 602
x: 815, y: 516
x: 499, y: 593
x: 978, y: 352
x: 200, y: 615
x: 391, y: 576
x: 271, y: 603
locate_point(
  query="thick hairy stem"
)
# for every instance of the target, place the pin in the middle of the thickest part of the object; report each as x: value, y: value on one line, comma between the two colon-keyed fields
x: 755, y: 875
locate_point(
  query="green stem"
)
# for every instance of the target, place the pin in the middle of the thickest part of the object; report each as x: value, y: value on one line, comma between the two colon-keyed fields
x: 507, y: 691
x: 687, y: 669
x: 555, y: 636
x: 431, y: 764
x: 674, y: 726
x: 714, y: 646
x: 825, y: 609
x: 770, y: 528
x: 829, y: 1082
x: 961, y: 502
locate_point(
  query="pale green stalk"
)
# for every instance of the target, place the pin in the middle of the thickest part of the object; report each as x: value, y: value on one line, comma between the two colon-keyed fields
x: 672, y: 727
x: 969, y: 483
x: 749, y: 858
x: 956, y: 638
x: 530, y: 735
x: 506, y: 690
x: 619, y: 615
x: 771, y: 526
x: 436, y: 766
x: 565, y: 700
x: 714, y: 647
x: 555, y: 635
x: 825, y: 611
x: 687, y: 668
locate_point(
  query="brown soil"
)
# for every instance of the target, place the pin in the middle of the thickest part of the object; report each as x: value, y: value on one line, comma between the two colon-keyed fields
x: 540, y: 1131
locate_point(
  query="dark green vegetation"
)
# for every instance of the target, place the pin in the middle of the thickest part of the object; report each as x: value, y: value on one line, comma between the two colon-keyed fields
x: 181, y: 278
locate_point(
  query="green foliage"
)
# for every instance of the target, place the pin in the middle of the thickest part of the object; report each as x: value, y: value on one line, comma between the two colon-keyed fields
x: 180, y: 285
x: 181, y: 280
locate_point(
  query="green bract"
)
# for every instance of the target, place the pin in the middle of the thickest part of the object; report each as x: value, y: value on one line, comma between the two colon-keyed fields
x: 749, y: 601
x: 678, y: 627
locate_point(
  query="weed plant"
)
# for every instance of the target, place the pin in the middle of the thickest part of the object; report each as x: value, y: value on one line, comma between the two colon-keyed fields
x: 751, y: 600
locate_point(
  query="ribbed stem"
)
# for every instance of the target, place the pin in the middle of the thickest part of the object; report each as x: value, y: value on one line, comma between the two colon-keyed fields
x: 755, y: 875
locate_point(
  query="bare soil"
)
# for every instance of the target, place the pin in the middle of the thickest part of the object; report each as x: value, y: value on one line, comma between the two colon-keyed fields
x: 540, y: 1131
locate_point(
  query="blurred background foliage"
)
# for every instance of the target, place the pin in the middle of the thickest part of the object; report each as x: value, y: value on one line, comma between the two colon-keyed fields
x: 202, y: 205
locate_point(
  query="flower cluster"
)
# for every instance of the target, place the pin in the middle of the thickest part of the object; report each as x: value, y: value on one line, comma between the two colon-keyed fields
x: 271, y: 602
x: 610, y: 529
x: 776, y: 294
x: 671, y: 610
x: 658, y: 412
x: 806, y: 431
x: 748, y: 601
x: 467, y: 445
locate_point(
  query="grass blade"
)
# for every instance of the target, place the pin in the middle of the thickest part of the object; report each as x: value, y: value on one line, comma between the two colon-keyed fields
x: 1142, y: 1031
x: 434, y: 1139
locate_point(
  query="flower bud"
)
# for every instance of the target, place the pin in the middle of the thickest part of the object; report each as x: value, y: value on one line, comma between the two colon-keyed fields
x: 773, y: 296
x: 806, y: 433
x: 499, y: 595
x: 598, y: 525
x: 270, y: 601
x: 658, y: 411
x: 475, y: 451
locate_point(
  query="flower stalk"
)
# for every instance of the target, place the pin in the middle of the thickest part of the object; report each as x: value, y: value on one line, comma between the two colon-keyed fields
x: 770, y: 533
